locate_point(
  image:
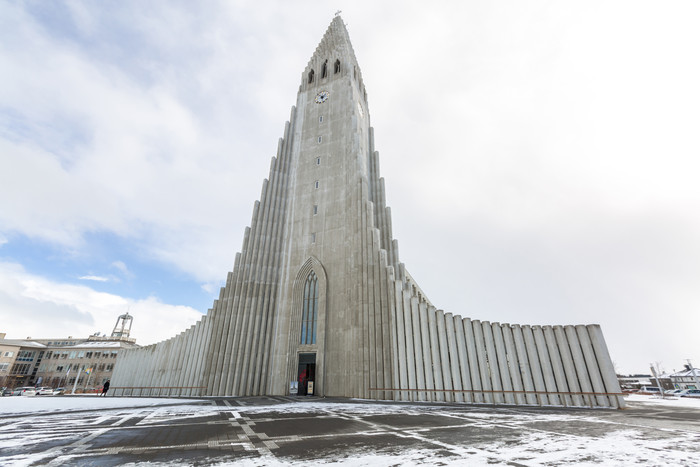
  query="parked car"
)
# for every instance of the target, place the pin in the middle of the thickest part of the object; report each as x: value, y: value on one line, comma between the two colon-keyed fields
x: 690, y: 393
x: 59, y: 391
x: 24, y: 391
x: 650, y: 390
x: 672, y: 392
x: 44, y: 391
x: 6, y: 391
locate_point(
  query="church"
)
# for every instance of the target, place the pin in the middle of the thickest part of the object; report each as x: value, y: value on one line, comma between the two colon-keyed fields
x: 319, y: 303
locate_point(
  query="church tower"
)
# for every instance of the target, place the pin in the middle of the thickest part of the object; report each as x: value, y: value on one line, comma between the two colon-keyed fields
x: 318, y: 302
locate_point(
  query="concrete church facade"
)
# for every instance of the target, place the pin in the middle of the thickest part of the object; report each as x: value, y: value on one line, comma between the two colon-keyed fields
x: 319, y: 303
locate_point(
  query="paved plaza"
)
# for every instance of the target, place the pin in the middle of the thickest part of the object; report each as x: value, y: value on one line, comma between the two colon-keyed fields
x: 290, y: 431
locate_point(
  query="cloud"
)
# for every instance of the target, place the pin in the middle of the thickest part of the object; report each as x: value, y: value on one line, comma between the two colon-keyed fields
x: 548, y: 173
x: 94, y: 278
x: 38, y: 307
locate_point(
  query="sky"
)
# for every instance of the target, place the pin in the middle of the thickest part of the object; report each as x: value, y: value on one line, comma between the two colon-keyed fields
x: 541, y: 158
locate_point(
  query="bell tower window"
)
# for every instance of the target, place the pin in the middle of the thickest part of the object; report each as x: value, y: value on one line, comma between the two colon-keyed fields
x: 311, y: 76
x: 336, y: 67
x: 324, y: 70
x: 309, y: 310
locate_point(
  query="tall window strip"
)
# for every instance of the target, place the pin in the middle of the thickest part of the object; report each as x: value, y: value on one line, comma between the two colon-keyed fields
x: 309, y: 310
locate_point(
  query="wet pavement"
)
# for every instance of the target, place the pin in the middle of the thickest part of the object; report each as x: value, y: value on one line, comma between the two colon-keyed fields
x: 284, y: 430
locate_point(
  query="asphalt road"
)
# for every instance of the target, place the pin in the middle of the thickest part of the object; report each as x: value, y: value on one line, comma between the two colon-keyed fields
x: 283, y: 430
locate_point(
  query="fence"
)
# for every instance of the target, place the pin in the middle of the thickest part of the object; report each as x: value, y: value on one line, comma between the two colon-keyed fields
x: 157, y: 391
x: 590, y: 396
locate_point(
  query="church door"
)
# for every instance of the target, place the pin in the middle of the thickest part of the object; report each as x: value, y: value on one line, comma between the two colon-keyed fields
x: 306, y: 374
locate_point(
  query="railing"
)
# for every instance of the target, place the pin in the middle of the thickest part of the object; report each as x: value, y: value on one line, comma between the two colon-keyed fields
x: 157, y: 391
x: 586, y: 395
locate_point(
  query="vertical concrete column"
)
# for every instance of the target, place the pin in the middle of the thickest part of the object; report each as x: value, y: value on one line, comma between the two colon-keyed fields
x: 462, y: 359
x: 484, y: 371
x: 231, y: 346
x: 201, y: 365
x: 535, y: 367
x: 444, y: 355
x: 492, y: 362
x: 473, y: 357
x: 151, y: 372
x: 178, y: 364
x: 503, y: 363
x: 400, y: 325
x: 427, y: 353
x: 583, y: 379
x: 592, y: 365
x: 512, y: 360
x: 418, y: 349
x: 219, y: 355
x: 569, y: 367
x: 368, y: 249
x: 186, y: 357
x: 393, y: 311
x: 454, y: 357
x: 246, y: 304
x: 192, y: 363
x: 435, y: 353
x: 546, y: 363
x: 410, y: 346
x: 607, y: 370
x: 524, y: 365
x: 387, y: 293
x: 144, y: 373
x: 557, y: 365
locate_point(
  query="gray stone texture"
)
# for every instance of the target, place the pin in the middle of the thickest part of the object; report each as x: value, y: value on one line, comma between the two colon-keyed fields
x: 323, y: 210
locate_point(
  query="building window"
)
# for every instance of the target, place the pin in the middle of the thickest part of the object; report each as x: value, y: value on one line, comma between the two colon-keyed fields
x: 336, y: 67
x: 309, y: 310
x: 313, y: 237
x: 8, y: 354
x: 320, y: 138
x: 318, y: 161
x: 25, y: 356
x: 3, y: 366
x: 320, y: 119
x: 324, y: 70
x: 315, y: 209
x: 88, y: 355
x: 311, y: 76
x: 316, y: 184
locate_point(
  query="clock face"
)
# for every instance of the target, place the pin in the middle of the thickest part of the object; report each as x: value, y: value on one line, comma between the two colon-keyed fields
x: 322, y: 97
x: 359, y: 110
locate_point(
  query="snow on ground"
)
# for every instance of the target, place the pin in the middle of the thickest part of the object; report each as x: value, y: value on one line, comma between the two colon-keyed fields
x: 527, y: 437
x: 41, y: 404
x: 688, y: 402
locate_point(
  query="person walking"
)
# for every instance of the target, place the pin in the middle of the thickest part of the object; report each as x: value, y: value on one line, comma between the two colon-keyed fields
x: 105, y: 388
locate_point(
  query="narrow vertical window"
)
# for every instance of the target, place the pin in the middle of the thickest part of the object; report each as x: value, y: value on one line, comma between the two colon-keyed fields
x: 311, y: 76
x: 320, y: 138
x: 320, y: 119
x: 318, y: 161
x: 309, y: 310
x: 315, y: 209
x: 316, y: 184
x: 336, y: 67
x: 324, y: 70
x: 313, y: 237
